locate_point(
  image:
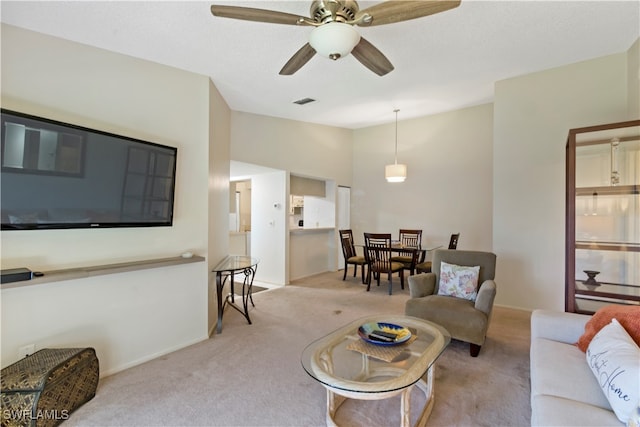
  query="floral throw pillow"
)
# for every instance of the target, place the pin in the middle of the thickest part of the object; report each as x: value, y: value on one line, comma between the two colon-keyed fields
x: 458, y: 281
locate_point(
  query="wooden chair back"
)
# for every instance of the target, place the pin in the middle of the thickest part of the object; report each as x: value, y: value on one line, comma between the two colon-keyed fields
x: 377, y: 249
x: 453, y: 241
x: 348, y: 246
x: 411, y: 238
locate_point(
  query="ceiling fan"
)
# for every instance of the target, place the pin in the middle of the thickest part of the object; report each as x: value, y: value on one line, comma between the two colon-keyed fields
x: 334, y: 35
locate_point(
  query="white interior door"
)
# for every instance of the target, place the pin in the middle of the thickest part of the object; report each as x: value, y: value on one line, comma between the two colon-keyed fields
x: 344, y: 217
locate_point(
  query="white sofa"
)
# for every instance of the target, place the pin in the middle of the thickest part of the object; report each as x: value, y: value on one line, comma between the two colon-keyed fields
x: 564, y: 391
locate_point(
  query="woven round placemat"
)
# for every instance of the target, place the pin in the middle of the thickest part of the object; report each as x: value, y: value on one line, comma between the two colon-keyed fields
x: 385, y: 353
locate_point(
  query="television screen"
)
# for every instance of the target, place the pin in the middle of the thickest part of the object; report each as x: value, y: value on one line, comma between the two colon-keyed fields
x: 59, y: 175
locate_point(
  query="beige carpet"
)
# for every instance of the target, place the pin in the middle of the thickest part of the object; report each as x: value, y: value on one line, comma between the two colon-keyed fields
x: 250, y: 375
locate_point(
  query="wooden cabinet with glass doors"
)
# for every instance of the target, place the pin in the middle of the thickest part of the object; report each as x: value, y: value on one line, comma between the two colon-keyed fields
x: 603, y: 216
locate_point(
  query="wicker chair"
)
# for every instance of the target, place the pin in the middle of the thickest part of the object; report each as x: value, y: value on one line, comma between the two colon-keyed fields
x: 377, y: 252
x: 425, y: 266
x: 350, y: 254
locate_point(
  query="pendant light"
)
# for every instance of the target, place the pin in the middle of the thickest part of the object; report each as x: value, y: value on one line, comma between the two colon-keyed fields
x: 395, y: 172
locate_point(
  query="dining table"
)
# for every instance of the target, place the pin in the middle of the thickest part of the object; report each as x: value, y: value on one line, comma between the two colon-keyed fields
x: 418, y: 253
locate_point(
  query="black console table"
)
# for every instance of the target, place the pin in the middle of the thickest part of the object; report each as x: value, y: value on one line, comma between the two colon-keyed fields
x: 228, y: 268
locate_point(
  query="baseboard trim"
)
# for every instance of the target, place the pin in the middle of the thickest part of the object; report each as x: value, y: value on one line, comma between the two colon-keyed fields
x: 149, y: 357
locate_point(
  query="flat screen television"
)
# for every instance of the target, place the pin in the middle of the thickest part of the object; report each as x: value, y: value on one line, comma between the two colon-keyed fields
x: 57, y: 175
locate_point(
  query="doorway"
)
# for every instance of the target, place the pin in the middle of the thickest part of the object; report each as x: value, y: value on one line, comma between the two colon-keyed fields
x: 344, y: 213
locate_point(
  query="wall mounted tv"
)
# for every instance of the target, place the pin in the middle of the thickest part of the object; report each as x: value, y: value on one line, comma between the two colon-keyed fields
x: 57, y: 175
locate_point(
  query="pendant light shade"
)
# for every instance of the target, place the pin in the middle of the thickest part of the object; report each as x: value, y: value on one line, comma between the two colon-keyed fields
x: 334, y: 40
x: 395, y: 172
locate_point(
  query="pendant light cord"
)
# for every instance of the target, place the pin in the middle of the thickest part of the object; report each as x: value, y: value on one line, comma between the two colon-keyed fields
x: 396, y: 157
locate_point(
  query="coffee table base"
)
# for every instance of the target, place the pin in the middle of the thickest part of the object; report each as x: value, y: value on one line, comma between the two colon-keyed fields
x: 335, y: 398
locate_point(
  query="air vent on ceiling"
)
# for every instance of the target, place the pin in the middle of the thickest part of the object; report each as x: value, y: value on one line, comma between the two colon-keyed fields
x: 304, y: 101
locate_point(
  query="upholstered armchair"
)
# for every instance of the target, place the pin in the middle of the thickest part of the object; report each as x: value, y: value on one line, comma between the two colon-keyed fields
x: 448, y: 296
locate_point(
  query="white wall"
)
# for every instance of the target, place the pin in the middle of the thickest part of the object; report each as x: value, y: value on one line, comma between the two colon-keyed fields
x: 304, y: 149
x: 75, y: 83
x: 449, y: 183
x: 128, y: 318
x: 311, y: 252
x: 217, y: 208
x: 532, y: 117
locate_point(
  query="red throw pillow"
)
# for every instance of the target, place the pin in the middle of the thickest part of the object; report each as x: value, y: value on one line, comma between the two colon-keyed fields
x: 628, y: 316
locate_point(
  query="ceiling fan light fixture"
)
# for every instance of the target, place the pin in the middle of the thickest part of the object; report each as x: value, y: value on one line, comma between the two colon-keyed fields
x: 334, y: 39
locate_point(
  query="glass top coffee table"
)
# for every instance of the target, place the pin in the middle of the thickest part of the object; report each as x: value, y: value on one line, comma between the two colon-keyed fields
x: 351, y: 362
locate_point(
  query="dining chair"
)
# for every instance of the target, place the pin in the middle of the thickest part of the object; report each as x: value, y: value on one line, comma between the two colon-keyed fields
x: 377, y: 251
x: 453, y: 241
x: 410, y: 239
x: 350, y: 254
x: 425, y: 266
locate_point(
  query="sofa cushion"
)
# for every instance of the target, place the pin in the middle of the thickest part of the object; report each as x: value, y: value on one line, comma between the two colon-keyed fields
x: 558, y: 325
x: 557, y: 411
x: 614, y: 360
x: 559, y: 369
x: 458, y: 316
x: 628, y: 316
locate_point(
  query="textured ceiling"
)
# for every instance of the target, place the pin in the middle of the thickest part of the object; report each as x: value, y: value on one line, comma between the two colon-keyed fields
x: 442, y: 62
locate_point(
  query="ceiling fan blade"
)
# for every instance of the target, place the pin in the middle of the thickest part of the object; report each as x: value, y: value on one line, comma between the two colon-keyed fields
x: 298, y: 59
x: 372, y: 58
x: 257, y: 15
x: 392, y: 11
